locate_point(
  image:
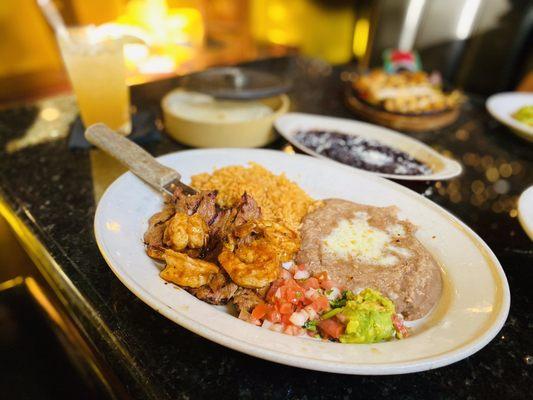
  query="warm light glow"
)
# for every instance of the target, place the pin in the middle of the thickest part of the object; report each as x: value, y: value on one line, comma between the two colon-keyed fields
x: 124, y: 32
x: 277, y: 13
x: 157, y: 38
x: 43, y: 301
x: 158, y: 65
x: 278, y: 21
x: 184, y: 26
x: 288, y: 149
x: 112, y: 226
x: 467, y: 18
x: 278, y: 36
x: 480, y: 310
x: 135, y: 53
x: 360, y: 37
x: 49, y: 113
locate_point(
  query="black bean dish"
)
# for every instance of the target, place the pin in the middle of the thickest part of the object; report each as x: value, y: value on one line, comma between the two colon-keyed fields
x: 357, y: 152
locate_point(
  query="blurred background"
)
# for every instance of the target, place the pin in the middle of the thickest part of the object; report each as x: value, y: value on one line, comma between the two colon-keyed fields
x: 483, y: 46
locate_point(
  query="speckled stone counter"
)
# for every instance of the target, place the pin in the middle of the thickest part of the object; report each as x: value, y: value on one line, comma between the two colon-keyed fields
x: 48, y: 190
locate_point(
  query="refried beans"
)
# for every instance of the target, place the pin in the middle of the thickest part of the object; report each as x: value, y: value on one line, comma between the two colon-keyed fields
x: 362, y: 246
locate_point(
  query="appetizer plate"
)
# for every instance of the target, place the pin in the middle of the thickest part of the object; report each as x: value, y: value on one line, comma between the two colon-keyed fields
x: 413, y: 123
x: 473, y: 307
x: 525, y: 211
x: 502, y: 105
x: 444, y: 168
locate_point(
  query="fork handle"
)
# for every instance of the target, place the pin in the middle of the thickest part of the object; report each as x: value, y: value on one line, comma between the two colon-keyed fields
x: 138, y: 160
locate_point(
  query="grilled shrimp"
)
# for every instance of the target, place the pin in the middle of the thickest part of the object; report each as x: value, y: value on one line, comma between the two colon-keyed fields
x: 253, y: 253
x: 186, y: 231
x: 254, y: 266
x: 186, y: 271
x: 286, y: 241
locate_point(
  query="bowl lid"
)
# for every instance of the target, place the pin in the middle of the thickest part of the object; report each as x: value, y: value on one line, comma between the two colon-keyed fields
x: 236, y: 83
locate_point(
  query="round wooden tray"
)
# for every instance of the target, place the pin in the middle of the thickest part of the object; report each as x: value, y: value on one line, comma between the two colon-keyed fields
x: 413, y: 123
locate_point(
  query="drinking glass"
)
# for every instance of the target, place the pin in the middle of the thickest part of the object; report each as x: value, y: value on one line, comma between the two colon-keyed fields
x: 95, y: 65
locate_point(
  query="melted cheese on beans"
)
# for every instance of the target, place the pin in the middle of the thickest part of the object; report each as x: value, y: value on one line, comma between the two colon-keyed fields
x: 357, y: 239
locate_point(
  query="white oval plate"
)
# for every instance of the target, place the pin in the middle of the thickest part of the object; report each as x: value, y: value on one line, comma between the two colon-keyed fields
x: 444, y: 168
x: 472, y: 310
x: 502, y: 105
x: 525, y: 211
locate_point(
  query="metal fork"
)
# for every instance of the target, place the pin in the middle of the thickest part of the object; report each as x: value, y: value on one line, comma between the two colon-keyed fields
x: 136, y: 159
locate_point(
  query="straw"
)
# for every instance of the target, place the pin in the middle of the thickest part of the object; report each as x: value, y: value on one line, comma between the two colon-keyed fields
x: 53, y: 17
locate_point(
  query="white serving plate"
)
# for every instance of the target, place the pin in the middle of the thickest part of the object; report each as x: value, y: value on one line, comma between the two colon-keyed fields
x: 525, y: 211
x: 472, y: 310
x: 502, y: 105
x: 444, y: 168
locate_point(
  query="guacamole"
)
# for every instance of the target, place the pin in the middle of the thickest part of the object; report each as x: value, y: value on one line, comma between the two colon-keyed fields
x: 524, y: 115
x: 369, y: 318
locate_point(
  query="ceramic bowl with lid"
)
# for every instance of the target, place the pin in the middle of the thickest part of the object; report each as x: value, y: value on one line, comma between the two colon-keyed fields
x: 200, y: 120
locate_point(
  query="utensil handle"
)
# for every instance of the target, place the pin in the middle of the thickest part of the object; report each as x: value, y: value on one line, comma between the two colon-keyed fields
x: 138, y: 161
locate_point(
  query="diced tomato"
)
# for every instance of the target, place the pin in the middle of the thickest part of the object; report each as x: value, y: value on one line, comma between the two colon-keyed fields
x: 331, y: 327
x: 287, y: 296
x: 292, y: 292
x: 286, y: 319
x: 272, y: 291
x: 312, y: 294
x: 260, y: 311
x: 285, y: 308
x: 293, y: 284
x: 273, y: 315
x: 341, y: 318
x: 287, y: 293
x: 299, y: 295
x: 310, y: 283
x: 328, y: 284
x: 399, y: 326
x: 320, y: 304
x: 306, y: 301
x: 285, y: 274
x: 322, y: 276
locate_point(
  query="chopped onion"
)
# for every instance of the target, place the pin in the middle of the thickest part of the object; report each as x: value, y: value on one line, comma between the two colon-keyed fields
x: 266, y: 324
x: 302, y: 274
x: 342, y: 318
x: 311, y: 312
x: 288, y: 265
x: 276, y: 327
x: 333, y: 294
x: 286, y: 274
x: 299, y: 318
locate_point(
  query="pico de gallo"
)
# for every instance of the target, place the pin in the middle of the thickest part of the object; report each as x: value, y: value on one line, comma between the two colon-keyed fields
x: 300, y: 304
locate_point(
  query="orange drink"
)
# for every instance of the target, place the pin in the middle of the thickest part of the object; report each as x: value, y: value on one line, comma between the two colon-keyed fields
x: 97, y: 71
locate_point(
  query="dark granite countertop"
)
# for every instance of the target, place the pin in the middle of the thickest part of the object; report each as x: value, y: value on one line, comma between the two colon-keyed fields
x: 48, y: 189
